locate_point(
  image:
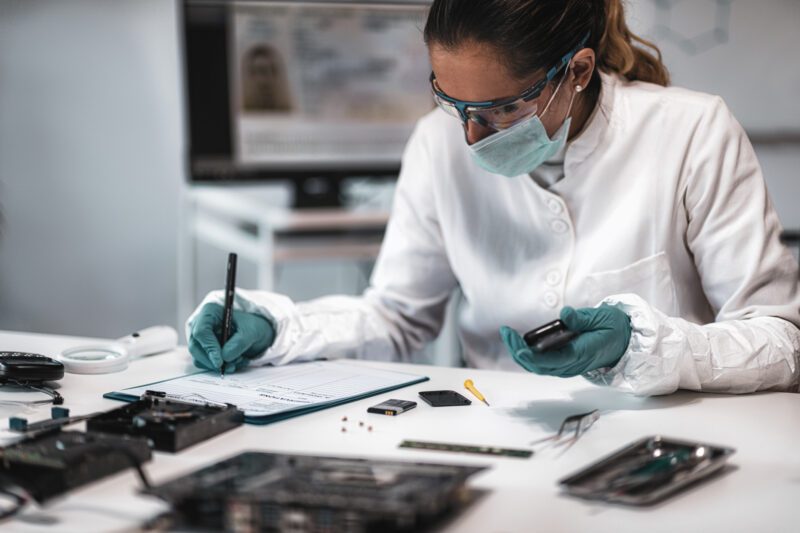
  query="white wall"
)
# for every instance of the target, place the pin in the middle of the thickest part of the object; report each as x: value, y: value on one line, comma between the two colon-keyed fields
x: 90, y: 165
x: 742, y: 51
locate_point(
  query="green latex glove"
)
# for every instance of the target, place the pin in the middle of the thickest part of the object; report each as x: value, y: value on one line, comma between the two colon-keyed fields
x: 604, y: 335
x: 250, y: 336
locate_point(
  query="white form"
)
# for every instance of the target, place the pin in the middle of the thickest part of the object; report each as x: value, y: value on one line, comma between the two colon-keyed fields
x: 269, y: 390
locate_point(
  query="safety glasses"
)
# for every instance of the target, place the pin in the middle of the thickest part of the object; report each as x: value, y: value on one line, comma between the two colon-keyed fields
x: 505, y: 112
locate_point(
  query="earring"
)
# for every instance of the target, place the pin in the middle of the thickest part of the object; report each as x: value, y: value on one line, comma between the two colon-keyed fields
x: 578, y: 88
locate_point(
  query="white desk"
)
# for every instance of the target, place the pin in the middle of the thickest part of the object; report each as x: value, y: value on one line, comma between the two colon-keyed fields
x: 759, y: 494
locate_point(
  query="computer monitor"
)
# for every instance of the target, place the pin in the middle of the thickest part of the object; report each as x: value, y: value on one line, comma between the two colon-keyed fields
x: 312, y: 92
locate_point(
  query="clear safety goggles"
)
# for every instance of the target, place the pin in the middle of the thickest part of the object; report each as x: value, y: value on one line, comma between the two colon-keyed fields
x: 505, y: 112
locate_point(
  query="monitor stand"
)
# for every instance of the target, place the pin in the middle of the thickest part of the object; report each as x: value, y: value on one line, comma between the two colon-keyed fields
x: 317, y: 192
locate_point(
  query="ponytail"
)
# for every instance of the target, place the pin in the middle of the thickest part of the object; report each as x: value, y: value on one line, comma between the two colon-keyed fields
x: 617, y: 53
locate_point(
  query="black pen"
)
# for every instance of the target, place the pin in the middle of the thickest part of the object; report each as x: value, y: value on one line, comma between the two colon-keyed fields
x: 227, y: 316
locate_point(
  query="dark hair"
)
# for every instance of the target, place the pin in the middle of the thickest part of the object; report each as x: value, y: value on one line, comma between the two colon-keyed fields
x: 533, y: 34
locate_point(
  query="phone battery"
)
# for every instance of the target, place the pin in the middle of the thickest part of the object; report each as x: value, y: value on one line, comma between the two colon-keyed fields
x: 392, y: 407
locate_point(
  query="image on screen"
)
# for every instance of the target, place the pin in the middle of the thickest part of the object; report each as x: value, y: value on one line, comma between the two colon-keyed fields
x: 308, y: 86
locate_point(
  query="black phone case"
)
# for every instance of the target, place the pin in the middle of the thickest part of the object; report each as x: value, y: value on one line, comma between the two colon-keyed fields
x: 443, y: 398
x: 550, y: 336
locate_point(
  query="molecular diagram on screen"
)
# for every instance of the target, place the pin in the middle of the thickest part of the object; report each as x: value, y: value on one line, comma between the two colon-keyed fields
x: 717, y: 33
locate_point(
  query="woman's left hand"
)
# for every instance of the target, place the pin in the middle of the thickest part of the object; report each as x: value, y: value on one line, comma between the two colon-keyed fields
x: 604, y: 335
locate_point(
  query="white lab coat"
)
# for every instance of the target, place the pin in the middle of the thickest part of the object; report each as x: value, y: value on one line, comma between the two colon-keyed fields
x: 663, y: 211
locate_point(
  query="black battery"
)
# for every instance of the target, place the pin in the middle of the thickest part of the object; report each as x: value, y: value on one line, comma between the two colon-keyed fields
x: 392, y: 407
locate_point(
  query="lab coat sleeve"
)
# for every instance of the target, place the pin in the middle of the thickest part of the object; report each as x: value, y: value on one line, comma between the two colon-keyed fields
x: 734, y: 356
x: 748, y: 276
x: 401, y: 311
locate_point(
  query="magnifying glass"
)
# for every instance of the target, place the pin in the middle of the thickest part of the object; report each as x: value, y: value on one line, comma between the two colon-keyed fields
x: 114, y: 356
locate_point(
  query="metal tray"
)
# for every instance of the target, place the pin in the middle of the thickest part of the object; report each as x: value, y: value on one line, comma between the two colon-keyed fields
x: 647, y: 471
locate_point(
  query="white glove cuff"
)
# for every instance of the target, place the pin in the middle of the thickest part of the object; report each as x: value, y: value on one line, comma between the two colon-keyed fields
x: 244, y: 301
x: 640, y: 358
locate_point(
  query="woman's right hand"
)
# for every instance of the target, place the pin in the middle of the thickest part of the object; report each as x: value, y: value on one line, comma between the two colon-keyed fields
x: 250, y: 337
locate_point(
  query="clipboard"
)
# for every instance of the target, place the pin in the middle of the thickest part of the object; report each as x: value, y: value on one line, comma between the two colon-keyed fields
x: 304, y: 383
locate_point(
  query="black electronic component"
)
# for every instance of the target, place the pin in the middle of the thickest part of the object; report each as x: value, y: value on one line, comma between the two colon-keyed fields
x: 272, y: 492
x: 55, y: 462
x: 30, y: 371
x: 170, y: 425
x: 392, y: 407
x: 444, y: 398
x: 550, y: 336
x: 29, y: 367
x: 465, y: 448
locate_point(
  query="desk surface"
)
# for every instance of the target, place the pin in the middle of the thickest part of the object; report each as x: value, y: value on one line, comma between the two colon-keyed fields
x: 759, y: 493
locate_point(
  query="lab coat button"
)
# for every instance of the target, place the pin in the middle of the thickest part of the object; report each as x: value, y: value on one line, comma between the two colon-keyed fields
x: 553, y: 278
x: 559, y: 226
x: 550, y: 299
x: 555, y: 206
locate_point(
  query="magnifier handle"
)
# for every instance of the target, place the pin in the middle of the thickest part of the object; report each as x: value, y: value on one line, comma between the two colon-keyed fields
x: 150, y: 341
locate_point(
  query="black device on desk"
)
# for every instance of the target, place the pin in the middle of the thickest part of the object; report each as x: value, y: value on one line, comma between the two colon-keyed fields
x: 25, y: 366
x: 392, y: 407
x: 31, y: 371
x: 550, y: 336
x: 169, y: 425
x: 50, y: 464
x: 50, y: 461
x: 443, y: 398
x: 256, y: 491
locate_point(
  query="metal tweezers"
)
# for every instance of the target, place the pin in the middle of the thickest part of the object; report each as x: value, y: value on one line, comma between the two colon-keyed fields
x: 582, y: 423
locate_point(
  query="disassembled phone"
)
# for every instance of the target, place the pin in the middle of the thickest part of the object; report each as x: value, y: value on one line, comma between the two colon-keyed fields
x: 50, y: 461
x: 256, y: 491
x: 443, y: 398
x: 169, y: 425
x: 550, y: 336
x: 54, y: 462
x: 392, y: 407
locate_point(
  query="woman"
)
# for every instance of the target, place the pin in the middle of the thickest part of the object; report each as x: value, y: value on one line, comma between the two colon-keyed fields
x: 560, y: 172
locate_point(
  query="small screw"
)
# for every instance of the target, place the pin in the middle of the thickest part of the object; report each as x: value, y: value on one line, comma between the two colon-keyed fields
x: 369, y: 428
x: 344, y: 419
x: 344, y: 430
x: 360, y: 423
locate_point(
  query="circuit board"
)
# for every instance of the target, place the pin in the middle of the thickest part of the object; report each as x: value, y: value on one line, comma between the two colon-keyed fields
x: 272, y: 492
x: 170, y: 425
x: 466, y: 448
x: 54, y: 463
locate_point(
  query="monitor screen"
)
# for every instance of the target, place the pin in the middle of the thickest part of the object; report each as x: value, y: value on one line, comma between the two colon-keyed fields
x: 278, y: 89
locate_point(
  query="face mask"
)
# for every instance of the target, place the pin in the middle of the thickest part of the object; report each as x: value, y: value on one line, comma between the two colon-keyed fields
x: 521, y: 148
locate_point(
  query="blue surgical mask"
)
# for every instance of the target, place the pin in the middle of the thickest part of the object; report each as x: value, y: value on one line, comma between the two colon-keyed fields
x: 521, y: 148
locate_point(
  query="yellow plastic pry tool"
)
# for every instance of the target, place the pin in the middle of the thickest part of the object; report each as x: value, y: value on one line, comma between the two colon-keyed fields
x: 470, y: 386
